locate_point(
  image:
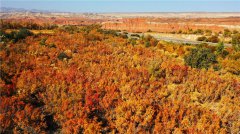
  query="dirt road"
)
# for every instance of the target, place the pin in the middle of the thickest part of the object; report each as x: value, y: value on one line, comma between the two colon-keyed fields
x: 179, y: 38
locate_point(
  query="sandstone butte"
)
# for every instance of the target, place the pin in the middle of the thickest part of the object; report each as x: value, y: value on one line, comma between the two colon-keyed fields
x: 172, y: 24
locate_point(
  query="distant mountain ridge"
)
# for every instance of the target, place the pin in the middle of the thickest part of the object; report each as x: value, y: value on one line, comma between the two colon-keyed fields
x: 10, y: 9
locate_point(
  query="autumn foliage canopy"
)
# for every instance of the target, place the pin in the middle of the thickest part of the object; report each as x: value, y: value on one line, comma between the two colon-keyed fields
x: 90, y: 81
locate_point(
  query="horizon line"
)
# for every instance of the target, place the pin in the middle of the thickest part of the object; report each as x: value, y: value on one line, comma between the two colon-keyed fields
x: 57, y: 11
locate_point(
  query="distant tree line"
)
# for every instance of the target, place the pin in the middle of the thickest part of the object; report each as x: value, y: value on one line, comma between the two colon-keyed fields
x: 27, y: 25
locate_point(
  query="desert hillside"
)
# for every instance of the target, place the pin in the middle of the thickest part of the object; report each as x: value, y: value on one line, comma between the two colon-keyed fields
x: 92, y: 80
x: 134, y: 22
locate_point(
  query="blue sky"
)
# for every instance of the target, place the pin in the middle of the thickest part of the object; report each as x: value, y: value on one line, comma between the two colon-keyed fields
x: 127, y: 5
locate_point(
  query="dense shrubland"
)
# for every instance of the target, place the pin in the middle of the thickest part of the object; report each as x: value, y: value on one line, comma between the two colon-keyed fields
x: 15, y: 36
x: 97, y: 81
x: 236, y: 42
x: 28, y: 25
x: 227, y: 36
x: 200, y: 58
